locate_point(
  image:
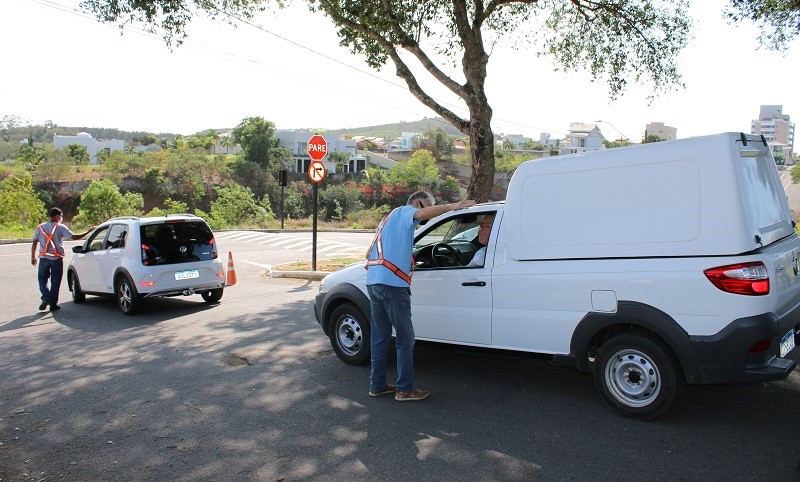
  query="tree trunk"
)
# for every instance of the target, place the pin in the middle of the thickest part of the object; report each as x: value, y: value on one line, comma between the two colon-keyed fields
x: 481, y: 141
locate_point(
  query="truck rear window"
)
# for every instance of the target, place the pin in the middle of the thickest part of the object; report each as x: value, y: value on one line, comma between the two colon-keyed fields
x: 177, y: 242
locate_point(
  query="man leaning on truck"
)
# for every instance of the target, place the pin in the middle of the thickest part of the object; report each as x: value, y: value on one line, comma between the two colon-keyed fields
x: 389, y: 286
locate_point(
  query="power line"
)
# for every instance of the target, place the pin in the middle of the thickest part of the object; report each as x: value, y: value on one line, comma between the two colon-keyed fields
x: 246, y: 61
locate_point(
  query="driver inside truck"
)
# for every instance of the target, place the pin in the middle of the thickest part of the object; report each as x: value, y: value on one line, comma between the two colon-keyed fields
x: 484, y: 229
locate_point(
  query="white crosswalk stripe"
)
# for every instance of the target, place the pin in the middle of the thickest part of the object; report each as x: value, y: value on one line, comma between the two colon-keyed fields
x: 327, y: 248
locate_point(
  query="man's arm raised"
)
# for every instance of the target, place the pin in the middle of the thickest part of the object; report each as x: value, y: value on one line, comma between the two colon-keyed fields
x: 431, y: 212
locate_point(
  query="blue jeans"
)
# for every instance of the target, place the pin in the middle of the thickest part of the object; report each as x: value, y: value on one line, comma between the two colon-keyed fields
x: 391, y: 307
x: 52, y: 269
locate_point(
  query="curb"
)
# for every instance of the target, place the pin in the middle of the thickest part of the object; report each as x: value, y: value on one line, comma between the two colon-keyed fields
x: 309, y: 275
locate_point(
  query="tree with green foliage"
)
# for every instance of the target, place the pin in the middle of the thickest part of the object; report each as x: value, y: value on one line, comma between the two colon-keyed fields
x: 78, y: 153
x: 779, y: 20
x: 20, y: 207
x: 617, y: 143
x: 613, y: 39
x: 652, y: 138
x: 418, y: 172
x: 531, y: 145
x: 236, y: 206
x: 103, y: 200
x: 440, y: 143
x: 170, y: 207
x: 340, y: 160
x: 336, y: 201
x: 31, y: 156
x: 256, y: 135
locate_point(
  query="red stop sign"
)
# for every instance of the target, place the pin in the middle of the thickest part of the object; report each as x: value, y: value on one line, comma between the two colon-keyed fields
x: 317, y: 148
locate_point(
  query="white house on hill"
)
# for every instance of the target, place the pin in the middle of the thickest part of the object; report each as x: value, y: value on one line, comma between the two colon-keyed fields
x: 581, y: 138
x: 92, y: 145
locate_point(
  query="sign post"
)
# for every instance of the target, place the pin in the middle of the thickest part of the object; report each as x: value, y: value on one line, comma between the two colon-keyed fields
x: 317, y: 149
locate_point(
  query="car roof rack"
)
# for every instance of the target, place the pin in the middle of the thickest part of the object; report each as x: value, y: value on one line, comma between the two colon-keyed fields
x: 123, y: 217
x: 180, y: 214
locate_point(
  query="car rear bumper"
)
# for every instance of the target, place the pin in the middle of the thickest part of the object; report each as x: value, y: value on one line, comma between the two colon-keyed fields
x: 183, y: 290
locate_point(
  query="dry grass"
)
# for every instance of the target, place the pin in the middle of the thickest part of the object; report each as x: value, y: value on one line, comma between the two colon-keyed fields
x: 326, y: 265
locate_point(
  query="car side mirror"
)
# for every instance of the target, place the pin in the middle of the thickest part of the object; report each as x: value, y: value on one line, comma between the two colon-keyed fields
x: 77, y: 249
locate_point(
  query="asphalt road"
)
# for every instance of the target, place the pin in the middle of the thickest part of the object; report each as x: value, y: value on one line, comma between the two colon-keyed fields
x: 250, y: 390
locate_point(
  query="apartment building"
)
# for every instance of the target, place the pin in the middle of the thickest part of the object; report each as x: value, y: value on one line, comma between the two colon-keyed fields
x: 776, y: 127
x: 666, y: 133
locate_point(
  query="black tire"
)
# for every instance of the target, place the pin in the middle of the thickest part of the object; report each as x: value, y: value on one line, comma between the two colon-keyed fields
x: 212, y: 296
x: 78, y: 296
x: 349, y: 332
x: 637, y: 375
x: 127, y: 298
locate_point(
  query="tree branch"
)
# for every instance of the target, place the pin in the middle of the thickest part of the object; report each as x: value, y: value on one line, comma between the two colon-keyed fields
x: 402, y: 69
x: 413, y: 47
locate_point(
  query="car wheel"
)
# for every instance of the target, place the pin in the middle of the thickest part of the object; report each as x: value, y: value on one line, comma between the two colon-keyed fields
x: 212, y: 296
x: 349, y: 333
x: 637, y: 376
x: 78, y: 296
x: 127, y: 298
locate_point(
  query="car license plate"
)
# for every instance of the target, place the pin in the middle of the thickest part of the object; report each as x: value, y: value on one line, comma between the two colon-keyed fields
x: 188, y: 274
x: 787, y: 342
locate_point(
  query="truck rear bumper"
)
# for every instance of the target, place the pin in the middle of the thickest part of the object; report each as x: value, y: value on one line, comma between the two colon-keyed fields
x: 732, y: 355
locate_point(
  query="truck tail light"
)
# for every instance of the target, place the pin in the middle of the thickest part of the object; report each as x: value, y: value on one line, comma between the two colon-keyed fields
x: 742, y: 279
x: 762, y: 345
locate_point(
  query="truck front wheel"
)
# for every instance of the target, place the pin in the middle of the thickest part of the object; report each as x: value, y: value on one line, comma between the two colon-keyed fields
x: 349, y: 332
x: 637, y: 376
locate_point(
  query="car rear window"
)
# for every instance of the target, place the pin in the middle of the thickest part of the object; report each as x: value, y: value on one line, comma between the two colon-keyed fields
x: 177, y: 242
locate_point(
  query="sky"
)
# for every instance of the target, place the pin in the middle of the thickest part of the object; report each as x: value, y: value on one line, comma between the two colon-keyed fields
x: 62, y: 65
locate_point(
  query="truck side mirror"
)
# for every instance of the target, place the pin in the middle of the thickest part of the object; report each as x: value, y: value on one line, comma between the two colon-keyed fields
x: 77, y: 249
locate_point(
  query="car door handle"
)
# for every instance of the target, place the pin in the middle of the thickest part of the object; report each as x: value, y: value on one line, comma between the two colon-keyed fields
x: 473, y: 283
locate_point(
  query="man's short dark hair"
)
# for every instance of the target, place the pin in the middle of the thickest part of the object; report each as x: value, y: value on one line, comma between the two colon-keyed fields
x: 55, y: 212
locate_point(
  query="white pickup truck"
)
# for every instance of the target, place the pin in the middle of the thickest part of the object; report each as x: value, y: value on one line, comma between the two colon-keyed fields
x: 650, y: 266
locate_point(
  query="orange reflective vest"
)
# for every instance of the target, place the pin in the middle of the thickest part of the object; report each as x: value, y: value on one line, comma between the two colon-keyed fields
x: 49, y: 242
x: 385, y: 262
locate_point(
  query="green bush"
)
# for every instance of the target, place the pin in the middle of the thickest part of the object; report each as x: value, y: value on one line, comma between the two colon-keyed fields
x: 336, y: 201
x: 236, y: 206
x: 102, y: 200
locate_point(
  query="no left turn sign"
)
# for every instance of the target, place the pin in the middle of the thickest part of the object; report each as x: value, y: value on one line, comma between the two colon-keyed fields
x: 316, y: 171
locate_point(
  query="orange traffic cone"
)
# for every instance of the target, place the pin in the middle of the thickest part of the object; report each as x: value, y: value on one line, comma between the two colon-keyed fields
x: 231, y: 279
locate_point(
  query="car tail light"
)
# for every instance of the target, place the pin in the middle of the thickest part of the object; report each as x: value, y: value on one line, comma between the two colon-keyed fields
x: 147, y: 259
x: 742, y: 279
x: 213, y: 248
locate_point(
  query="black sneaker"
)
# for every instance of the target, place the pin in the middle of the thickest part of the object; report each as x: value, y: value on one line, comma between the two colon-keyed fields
x: 43, y: 305
x: 55, y: 307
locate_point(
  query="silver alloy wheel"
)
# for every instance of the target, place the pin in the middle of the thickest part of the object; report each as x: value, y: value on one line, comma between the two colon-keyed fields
x: 632, y: 378
x: 125, y: 296
x: 349, y: 335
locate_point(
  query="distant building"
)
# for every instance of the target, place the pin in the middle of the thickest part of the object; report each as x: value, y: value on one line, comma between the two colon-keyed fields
x: 297, y: 143
x: 404, y: 143
x: 517, y: 139
x: 581, y: 138
x: 666, y: 133
x: 92, y: 145
x: 775, y: 126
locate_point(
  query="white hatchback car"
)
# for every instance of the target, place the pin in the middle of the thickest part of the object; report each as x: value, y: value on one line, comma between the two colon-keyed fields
x: 131, y: 259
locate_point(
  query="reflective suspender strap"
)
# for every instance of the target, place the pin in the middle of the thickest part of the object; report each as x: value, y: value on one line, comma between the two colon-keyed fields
x: 380, y: 260
x: 49, y: 242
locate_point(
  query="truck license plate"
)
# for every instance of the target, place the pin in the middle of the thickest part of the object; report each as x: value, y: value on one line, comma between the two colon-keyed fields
x: 193, y: 273
x: 787, y: 342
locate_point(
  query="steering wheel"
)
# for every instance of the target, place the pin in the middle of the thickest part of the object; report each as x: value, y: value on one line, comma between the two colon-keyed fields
x: 449, y: 255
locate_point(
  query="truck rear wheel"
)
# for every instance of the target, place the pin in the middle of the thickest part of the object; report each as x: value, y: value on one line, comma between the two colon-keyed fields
x: 349, y: 333
x: 637, y: 375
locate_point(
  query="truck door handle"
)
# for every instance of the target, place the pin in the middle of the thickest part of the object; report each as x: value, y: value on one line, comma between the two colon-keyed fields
x: 473, y: 283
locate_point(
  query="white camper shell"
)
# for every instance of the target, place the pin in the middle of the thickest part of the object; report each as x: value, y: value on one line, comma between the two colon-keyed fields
x: 650, y: 266
x: 713, y: 195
